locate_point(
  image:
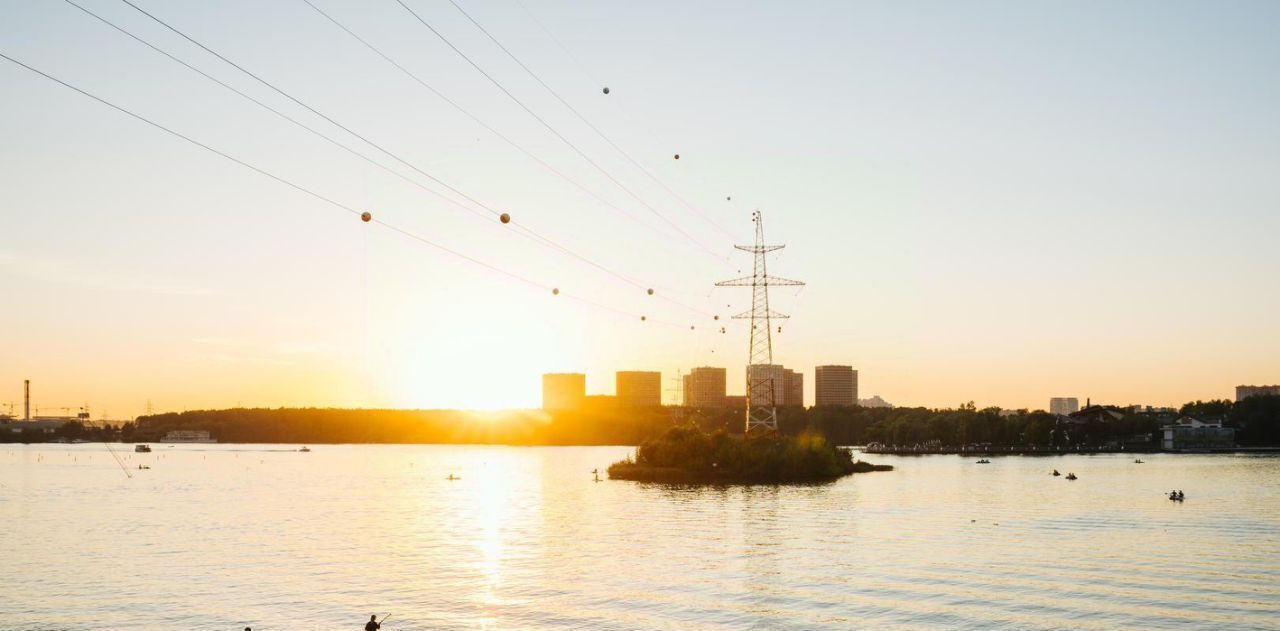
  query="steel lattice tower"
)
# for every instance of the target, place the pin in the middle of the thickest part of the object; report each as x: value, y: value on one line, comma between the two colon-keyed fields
x: 761, y: 407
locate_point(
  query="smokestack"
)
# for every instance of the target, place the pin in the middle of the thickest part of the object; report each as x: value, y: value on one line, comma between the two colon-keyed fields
x: 26, y: 399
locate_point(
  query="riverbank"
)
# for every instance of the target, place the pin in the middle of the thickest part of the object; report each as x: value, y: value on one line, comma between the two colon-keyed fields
x: 1032, y: 451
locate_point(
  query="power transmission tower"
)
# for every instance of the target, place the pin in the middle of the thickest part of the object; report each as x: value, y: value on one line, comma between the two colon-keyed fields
x: 761, y: 374
x: 677, y: 388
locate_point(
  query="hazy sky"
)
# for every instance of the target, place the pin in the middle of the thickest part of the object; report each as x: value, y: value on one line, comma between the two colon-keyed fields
x: 1000, y: 202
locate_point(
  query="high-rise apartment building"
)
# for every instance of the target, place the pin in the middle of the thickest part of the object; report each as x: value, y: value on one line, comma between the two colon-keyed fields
x: 563, y: 391
x: 639, y: 388
x: 771, y: 391
x: 704, y: 387
x: 1244, y: 392
x: 792, y: 388
x: 1063, y: 406
x: 835, y: 385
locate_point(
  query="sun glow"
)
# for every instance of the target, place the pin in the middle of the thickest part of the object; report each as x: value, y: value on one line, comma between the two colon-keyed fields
x: 495, y: 365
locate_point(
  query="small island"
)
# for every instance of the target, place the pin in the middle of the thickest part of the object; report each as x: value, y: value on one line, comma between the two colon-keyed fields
x: 687, y: 455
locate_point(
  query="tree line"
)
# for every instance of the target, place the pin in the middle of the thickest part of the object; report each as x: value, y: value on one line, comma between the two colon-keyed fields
x: 1257, y: 420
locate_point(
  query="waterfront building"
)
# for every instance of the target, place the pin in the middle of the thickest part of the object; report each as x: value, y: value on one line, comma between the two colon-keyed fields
x: 704, y: 387
x: 1189, y: 432
x: 835, y: 385
x: 563, y: 391
x: 1063, y: 406
x: 639, y: 388
x: 1244, y: 392
x: 792, y: 388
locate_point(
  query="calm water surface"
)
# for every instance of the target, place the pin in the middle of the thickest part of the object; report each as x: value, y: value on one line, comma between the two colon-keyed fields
x: 223, y: 536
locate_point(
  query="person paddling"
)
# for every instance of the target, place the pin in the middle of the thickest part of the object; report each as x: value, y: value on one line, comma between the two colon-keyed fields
x: 373, y: 624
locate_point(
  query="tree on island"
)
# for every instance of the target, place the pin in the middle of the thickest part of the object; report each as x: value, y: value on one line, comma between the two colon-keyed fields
x: 690, y: 455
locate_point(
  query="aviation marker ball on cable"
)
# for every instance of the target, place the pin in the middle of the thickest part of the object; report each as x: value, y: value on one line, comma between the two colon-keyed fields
x: 650, y: 292
x: 677, y: 156
x: 606, y: 89
x: 504, y: 218
x: 555, y: 291
x: 366, y: 216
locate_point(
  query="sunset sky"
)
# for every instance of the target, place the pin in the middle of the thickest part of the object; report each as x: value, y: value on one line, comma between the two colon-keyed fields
x: 998, y: 203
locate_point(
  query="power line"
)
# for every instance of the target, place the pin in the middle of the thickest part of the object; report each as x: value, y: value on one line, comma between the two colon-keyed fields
x: 586, y: 122
x: 323, y: 198
x: 272, y: 109
x: 557, y: 134
x: 417, y: 79
x: 523, y: 231
x: 581, y: 66
x: 532, y: 234
x: 312, y: 109
x: 290, y: 184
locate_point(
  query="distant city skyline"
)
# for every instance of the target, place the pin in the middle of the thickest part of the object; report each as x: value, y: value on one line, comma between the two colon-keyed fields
x: 704, y: 386
x: 1092, y: 215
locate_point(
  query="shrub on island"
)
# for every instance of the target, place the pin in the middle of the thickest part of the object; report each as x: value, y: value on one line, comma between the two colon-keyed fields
x: 687, y: 455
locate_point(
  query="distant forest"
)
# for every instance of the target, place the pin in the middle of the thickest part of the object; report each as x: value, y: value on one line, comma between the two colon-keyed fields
x: 1257, y: 420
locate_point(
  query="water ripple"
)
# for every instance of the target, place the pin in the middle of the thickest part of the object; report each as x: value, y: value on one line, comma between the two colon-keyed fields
x: 222, y: 538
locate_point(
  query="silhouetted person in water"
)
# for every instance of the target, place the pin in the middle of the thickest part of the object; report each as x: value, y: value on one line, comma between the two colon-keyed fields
x: 372, y: 625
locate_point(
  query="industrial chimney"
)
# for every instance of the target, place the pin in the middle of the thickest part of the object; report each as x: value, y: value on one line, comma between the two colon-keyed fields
x: 26, y: 399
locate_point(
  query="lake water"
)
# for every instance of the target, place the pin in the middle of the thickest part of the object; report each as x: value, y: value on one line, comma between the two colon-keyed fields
x: 224, y: 536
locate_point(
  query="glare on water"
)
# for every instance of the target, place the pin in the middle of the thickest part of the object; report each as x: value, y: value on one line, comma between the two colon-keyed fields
x: 224, y: 536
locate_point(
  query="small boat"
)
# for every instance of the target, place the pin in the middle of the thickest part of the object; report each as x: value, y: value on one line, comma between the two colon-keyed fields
x: 305, y: 449
x: 453, y: 477
x: 984, y: 461
x: 142, y: 449
x: 1071, y: 476
x: 1137, y: 461
x: 1055, y: 473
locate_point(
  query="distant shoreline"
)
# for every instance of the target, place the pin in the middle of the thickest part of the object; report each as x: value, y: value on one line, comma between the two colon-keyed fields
x: 861, y: 448
x: 1066, y: 452
x: 1250, y: 426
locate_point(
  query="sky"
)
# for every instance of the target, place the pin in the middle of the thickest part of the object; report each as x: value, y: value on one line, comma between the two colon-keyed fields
x: 993, y: 201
